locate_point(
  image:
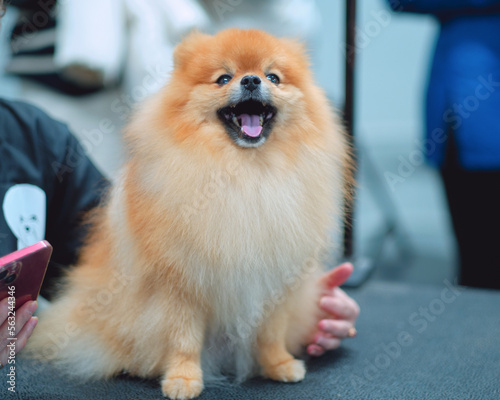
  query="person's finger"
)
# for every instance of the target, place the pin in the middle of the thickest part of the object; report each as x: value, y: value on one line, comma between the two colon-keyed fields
x: 25, y: 333
x: 340, y: 308
x: 337, y: 328
x: 315, y: 350
x: 337, y: 276
x: 326, y: 342
x: 21, y: 316
x: 20, y: 342
x: 4, y: 323
x: 24, y: 313
x: 4, y: 311
x: 4, y: 351
x: 338, y: 292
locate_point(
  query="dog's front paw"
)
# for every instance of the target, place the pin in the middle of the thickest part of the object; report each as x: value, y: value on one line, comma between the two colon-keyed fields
x: 287, y: 371
x: 181, y: 388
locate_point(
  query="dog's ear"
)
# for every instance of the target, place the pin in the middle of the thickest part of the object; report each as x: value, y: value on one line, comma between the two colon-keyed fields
x: 186, y: 49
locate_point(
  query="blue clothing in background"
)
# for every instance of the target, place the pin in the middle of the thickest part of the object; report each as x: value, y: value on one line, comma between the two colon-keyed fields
x: 464, y: 87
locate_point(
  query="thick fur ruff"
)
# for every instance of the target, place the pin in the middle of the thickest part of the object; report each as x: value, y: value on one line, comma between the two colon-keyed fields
x: 204, y: 249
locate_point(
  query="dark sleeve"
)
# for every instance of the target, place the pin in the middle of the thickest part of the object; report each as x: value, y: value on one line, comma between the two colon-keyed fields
x: 78, y: 187
x: 38, y: 150
x: 440, y: 7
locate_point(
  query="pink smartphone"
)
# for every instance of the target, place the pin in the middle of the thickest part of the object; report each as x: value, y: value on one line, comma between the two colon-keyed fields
x: 22, y: 272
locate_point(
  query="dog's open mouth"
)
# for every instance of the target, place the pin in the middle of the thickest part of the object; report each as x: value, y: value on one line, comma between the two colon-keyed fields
x: 248, y: 121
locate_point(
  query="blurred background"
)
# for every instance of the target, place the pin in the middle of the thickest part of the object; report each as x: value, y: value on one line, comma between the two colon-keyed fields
x: 110, y: 55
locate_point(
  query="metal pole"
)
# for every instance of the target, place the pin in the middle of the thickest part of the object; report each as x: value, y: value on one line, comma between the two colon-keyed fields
x: 350, y: 56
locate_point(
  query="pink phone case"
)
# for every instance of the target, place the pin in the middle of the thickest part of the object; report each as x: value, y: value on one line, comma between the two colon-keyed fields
x: 24, y: 270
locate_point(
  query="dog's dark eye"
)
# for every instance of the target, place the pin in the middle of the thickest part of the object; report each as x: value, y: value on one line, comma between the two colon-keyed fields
x: 273, y: 78
x: 223, y: 79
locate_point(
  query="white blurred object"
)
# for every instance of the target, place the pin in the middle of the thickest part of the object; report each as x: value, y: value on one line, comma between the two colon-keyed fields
x: 292, y: 18
x: 182, y: 16
x: 98, y: 41
x: 155, y: 26
x: 90, y: 41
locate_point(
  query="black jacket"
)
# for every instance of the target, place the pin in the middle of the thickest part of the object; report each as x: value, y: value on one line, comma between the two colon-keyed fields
x: 47, y: 184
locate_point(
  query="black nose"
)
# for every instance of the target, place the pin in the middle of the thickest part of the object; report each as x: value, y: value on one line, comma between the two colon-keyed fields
x: 250, y: 82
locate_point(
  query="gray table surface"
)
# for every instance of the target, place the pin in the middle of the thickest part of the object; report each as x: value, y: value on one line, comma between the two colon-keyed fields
x: 414, y: 342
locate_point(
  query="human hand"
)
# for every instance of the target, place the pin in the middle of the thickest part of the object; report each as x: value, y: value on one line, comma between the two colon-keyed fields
x: 24, y: 323
x: 340, y: 309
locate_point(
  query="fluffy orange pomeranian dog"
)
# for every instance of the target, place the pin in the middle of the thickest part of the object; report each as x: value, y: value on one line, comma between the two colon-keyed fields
x: 206, y: 254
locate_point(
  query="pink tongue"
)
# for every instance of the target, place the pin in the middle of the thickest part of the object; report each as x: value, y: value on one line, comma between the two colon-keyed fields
x: 251, y: 124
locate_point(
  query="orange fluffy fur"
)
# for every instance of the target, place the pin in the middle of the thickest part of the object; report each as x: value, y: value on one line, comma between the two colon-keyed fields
x: 205, y: 252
